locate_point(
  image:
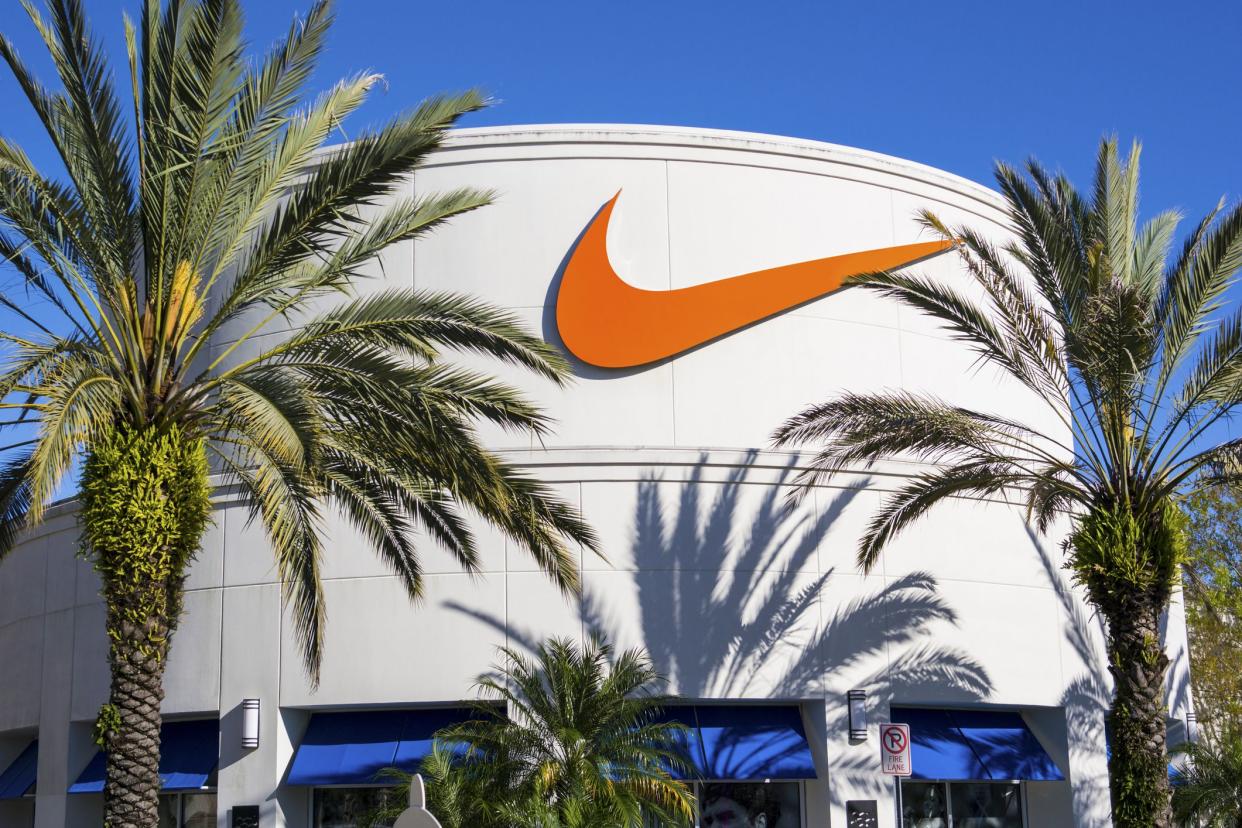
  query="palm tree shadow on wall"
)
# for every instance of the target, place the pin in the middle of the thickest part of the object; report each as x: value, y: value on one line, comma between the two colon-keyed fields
x: 732, y: 604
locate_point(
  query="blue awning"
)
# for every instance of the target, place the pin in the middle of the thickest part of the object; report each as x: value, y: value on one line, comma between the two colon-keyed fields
x: 352, y: 748
x: 189, y: 754
x: 744, y: 742
x: 19, y: 777
x: 974, y: 745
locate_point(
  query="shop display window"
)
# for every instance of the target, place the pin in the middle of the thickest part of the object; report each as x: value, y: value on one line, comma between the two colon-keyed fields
x: 749, y: 804
x: 188, y: 810
x: 961, y: 805
x: 721, y: 805
x: 351, y: 807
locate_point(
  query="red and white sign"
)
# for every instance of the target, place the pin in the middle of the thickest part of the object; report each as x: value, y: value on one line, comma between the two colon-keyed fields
x: 895, y: 749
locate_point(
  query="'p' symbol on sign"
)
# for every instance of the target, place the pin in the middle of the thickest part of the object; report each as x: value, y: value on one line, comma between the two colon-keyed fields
x: 895, y: 749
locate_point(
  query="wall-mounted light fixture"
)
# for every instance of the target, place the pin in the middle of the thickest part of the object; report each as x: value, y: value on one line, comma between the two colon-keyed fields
x: 858, y: 714
x: 250, y: 723
x: 1192, y: 727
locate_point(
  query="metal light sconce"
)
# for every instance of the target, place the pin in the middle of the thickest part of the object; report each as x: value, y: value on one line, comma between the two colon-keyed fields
x: 250, y: 724
x: 858, y: 714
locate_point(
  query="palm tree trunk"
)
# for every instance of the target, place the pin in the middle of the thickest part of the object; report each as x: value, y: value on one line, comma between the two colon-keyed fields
x: 139, y: 653
x: 1138, y: 764
x: 145, y: 505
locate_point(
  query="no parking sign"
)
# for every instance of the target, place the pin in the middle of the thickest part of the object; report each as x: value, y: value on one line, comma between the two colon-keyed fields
x: 895, y: 749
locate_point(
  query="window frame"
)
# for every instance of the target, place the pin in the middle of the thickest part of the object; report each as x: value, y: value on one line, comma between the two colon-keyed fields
x: 948, y: 795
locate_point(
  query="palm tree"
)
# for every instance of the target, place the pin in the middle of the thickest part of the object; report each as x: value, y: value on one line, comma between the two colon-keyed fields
x: 1126, y: 347
x: 219, y: 209
x: 457, y: 795
x: 1207, y: 788
x: 581, y: 744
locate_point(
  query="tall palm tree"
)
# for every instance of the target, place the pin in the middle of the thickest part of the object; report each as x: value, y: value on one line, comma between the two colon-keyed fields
x: 215, y: 216
x: 1207, y: 787
x: 1127, y: 348
x: 581, y: 744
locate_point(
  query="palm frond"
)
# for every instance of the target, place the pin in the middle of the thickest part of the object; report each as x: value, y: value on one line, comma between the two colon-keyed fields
x: 15, y: 500
x: 1194, y: 286
x: 78, y: 404
x: 95, y: 145
x: 287, y: 502
x: 362, y: 172
x: 914, y: 499
x: 246, y: 171
x: 1151, y: 250
x: 1114, y: 218
x: 257, y: 183
x: 583, y: 744
x: 1207, y: 784
x: 858, y: 428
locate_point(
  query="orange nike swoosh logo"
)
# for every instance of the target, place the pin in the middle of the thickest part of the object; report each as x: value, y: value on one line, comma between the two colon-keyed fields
x: 607, y: 322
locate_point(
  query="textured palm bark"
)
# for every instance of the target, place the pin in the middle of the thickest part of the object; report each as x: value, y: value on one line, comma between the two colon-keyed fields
x: 132, y: 786
x: 1138, y: 766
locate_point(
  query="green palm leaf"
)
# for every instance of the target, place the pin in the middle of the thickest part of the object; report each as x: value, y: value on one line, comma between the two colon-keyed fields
x: 581, y: 745
x: 1207, y: 787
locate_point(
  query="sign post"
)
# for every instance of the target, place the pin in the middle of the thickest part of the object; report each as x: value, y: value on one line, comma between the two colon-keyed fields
x: 895, y: 749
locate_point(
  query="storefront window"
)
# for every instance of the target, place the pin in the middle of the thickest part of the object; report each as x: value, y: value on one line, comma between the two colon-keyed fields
x: 986, y: 805
x: 750, y: 805
x: 198, y: 810
x: 961, y: 805
x: 352, y: 807
x: 721, y: 805
x: 20, y: 813
x: 168, y: 810
x: 188, y: 810
x: 924, y: 805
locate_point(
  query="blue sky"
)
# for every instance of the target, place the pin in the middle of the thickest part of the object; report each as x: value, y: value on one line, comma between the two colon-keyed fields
x: 954, y: 85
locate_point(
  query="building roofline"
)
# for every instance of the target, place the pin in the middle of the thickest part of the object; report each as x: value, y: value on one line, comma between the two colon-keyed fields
x: 703, y: 138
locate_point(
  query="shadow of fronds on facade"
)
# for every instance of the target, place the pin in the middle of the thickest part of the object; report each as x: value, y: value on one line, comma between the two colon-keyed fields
x: 725, y: 600
x: 732, y: 604
x: 891, y: 626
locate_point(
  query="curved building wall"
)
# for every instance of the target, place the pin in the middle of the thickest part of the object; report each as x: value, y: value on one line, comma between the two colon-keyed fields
x: 734, y: 595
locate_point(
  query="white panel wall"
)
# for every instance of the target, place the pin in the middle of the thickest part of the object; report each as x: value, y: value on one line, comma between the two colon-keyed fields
x: 734, y: 593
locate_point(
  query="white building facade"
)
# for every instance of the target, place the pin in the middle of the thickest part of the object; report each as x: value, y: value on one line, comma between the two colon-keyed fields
x: 967, y: 628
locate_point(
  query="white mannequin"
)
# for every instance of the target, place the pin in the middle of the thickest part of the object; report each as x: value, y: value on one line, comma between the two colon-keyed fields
x: 417, y: 815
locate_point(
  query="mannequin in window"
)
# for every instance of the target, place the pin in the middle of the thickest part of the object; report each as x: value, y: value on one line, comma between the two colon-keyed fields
x: 728, y: 806
x: 926, y: 811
